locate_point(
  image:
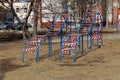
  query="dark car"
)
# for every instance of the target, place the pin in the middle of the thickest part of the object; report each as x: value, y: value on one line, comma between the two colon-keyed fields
x: 6, y: 25
x: 18, y: 27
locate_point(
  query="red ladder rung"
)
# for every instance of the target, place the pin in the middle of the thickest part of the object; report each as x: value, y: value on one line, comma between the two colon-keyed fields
x: 75, y: 34
x: 70, y: 44
x: 71, y: 40
x: 67, y: 49
x: 97, y: 36
x: 31, y: 50
x: 33, y: 43
x: 36, y: 38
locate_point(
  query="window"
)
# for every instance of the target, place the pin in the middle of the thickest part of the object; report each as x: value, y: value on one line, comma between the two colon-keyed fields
x: 25, y: 10
x: 17, y: 9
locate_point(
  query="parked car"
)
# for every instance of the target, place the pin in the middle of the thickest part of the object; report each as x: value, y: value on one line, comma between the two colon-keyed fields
x: 17, y: 26
x: 13, y: 26
x: 6, y: 25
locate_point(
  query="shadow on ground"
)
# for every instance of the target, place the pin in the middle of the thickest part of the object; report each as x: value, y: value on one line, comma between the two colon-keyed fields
x: 7, y: 65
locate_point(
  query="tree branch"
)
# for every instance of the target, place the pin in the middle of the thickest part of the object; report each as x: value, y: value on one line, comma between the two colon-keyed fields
x: 3, y: 4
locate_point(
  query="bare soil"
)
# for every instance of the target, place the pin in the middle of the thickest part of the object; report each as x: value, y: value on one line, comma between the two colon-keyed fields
x: 100, y: 64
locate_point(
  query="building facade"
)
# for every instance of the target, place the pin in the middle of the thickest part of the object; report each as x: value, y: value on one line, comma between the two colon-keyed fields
x: 111, y: 15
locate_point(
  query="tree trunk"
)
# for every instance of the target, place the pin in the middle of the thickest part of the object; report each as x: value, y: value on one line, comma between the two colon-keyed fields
x: 26, y: 33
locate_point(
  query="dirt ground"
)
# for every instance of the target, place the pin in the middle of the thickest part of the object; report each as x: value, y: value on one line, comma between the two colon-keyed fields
x: 100, y: 64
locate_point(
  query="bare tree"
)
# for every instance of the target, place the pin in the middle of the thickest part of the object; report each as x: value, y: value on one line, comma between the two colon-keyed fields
x: 52, y: 5
x: 10, y: 7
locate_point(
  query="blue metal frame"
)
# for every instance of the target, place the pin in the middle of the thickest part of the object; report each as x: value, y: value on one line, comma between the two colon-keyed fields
x: 65, y: 21
x: 49, y: 45
x: 39, y: 42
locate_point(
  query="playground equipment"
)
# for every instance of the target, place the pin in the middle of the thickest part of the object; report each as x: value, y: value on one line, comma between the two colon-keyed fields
x: 33, y: 44
x: 89, y: 27
x: 95, y: 28
x: 70, y: 41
